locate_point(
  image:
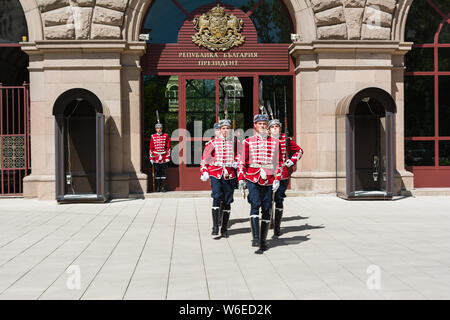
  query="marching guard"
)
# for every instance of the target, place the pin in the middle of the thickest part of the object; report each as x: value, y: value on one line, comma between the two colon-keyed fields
x: 218, y: 164
x: 287, y: 145
x: 260, y: 169
x: 159, y: 155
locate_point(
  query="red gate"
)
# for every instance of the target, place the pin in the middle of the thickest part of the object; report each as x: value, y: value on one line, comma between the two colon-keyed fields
x: 14, y: 138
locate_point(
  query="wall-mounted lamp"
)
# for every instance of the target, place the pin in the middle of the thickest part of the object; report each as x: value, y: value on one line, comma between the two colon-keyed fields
x: 295, y: 37
x: 144, y: 37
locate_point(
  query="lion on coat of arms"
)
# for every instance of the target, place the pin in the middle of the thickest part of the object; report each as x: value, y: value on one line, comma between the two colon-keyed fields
x: 218, y: 30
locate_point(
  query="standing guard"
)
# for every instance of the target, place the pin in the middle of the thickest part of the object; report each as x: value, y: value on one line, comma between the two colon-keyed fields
x: 287, y: 145
x: 218, y: 164
x: 159, y: 155
x: 260, y: 166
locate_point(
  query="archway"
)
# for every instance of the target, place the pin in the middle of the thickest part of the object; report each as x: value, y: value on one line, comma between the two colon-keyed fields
x: 81, y: 147
x: 202, y: 74
x: 14, y: 100
x: 365, y: 128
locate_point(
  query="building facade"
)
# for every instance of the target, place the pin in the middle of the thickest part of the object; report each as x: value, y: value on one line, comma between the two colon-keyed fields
x: 339, y: 64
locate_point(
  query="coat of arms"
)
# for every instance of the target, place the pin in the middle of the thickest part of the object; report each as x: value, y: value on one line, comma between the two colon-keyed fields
x: 218, y: 30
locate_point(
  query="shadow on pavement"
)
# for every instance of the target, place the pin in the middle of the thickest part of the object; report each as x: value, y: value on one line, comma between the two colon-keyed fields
x: 273, y: 243
x: 232, y: 232
x: 243, y: 220
x: 306, y: 226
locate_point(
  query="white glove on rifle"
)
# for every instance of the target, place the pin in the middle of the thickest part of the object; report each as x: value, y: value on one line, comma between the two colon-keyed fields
x: 234, y: 165
x: 276, y: 185
x: 242, y: 184
x: 204, y: 176
x: 151, y: 161
x: 289, y: 163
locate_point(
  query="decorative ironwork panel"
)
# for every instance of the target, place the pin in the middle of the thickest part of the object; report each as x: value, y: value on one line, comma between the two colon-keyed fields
x: 13, y: 152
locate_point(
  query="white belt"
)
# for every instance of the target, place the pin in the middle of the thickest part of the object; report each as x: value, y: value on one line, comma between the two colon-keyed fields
x: 220, y: 164
x: 257, y: 165
x: 159, y: 152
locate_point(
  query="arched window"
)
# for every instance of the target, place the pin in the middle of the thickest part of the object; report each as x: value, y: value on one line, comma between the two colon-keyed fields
x: 270, y: 17
x: 427, y: 95
x: 13, y: 25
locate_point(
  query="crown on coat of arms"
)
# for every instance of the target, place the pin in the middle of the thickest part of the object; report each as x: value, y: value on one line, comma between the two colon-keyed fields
x: 217, y: 11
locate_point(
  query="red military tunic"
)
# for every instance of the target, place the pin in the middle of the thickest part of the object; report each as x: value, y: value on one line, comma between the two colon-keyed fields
x: 260, y: 154
x: 160, y: 148
x: 293, y: 147
x: 217, y: 159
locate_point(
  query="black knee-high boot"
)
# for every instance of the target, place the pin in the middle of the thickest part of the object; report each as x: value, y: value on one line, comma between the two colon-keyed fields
x: 277, y: 218
x: 220, y: 213
x: 271, y: 218
x: 162, y: 185
x: 215, y: 218
x: 157, y: 180
x: 225, y: 218
x: 254, y: 223
x: 263, y: 236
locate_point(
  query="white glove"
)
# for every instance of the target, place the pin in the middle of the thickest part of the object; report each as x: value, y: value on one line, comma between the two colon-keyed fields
x: 263, y: 174
x: 167, y: 160
x: 234, y: 165
x: 289, y: 163
x: 204, y: 176
x: 276, y: 185
x: 241, y: 184
x: 152, y: 161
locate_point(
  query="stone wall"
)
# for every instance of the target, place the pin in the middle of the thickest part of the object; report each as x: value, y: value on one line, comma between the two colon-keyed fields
x: 353, y: 19
x: 104, y: 19
x: 82, y: 19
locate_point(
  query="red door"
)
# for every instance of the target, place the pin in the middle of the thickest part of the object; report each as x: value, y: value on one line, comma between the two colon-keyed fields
x: 199, y: 97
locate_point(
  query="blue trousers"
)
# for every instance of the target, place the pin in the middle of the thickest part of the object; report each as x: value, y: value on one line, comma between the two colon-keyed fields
x: 281, y: 194
x: 160, y: 170
x: 222, y: 190
x: 259, y: 197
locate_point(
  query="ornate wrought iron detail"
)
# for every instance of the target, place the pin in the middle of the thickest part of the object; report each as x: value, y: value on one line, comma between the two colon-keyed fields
x: 12, y: 152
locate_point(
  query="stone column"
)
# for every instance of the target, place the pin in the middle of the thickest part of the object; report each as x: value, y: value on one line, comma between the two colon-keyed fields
x: 326, y: 72
x: 404, y: 180
x: 131, y: 111
x: 59, y: 65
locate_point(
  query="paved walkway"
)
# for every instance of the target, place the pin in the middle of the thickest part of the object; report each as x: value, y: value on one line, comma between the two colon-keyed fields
x: 162, y: 249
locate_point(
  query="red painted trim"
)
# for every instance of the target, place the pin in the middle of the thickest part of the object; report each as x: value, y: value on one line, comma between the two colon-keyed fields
x: 431, y: 45
x: 435, y: 7
x: 430, y: 138
x: 250, y: 12
x: 427, y: 73
x: 1, y: 135
x: 432, y: 176
x: 186, y: 13
x: 9, y: 45
x: 188, y: 176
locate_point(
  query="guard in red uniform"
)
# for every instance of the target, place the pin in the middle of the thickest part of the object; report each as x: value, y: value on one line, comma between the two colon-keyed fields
x: 218, y: 164
x: 260, y: 167
x: 275, y: 131
x: 159, y: 156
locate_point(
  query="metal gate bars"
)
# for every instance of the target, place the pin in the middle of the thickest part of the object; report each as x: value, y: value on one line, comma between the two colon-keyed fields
x: 14, y: 138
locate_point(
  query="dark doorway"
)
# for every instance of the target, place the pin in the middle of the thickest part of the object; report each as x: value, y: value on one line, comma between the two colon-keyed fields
x: 365, y: 156
x: 81, y: 147
x: 370, y: 152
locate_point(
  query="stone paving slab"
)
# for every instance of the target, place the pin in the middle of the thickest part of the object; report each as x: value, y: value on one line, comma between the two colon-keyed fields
x: 161, y: 248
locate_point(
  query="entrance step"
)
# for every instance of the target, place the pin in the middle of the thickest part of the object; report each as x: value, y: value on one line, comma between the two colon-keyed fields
x: 207, y: 194
x: 430, y: 192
